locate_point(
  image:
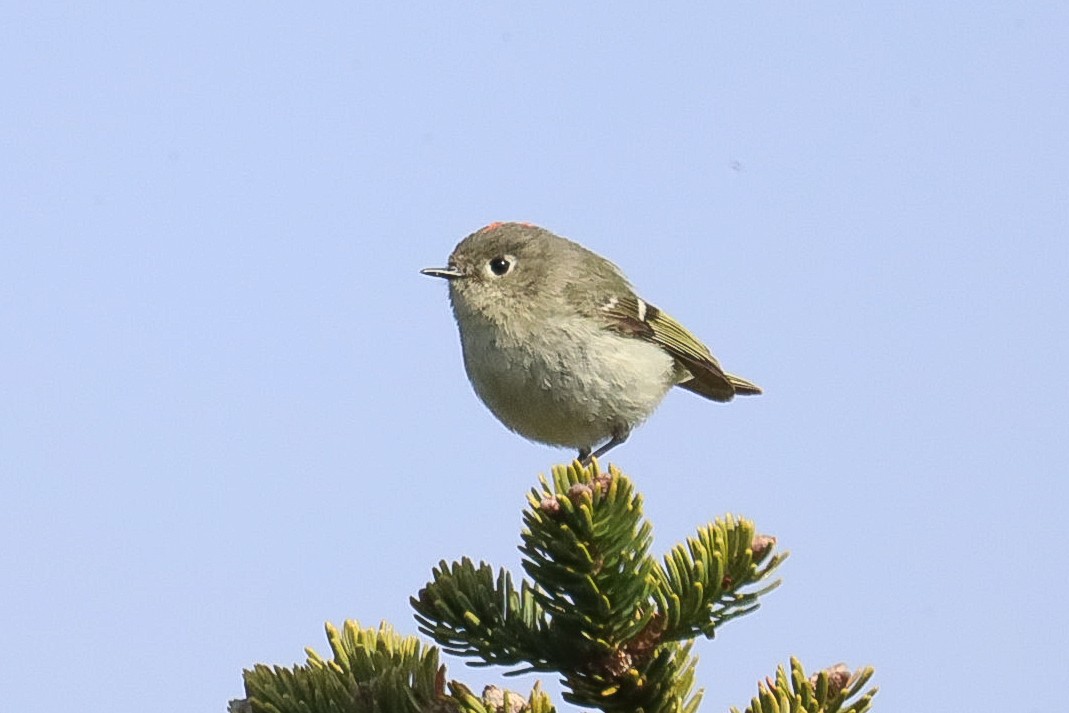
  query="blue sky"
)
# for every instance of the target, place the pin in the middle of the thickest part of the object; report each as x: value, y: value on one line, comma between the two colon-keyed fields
x: 232, y: 409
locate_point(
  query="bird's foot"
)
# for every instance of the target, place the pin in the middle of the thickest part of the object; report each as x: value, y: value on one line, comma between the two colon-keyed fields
x: 618, y: 437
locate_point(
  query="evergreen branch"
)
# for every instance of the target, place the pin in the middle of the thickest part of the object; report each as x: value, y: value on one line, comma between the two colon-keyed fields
x: 617, y: 625
x: 497, y: 700
x: 833, y: 690
x: 470, y: 613
x: 372, y: 671
x: 704, y: 582
x: 661, y: 682
x: 586, y: 545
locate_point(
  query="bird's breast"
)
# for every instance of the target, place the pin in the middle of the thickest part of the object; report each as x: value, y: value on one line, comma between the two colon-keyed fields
x: 569, y: 383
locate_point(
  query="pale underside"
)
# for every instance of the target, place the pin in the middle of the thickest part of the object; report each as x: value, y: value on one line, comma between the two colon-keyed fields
x: 574, y: 384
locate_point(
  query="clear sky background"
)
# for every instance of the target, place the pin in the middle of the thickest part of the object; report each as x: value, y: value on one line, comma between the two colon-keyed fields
x: 231, y: 409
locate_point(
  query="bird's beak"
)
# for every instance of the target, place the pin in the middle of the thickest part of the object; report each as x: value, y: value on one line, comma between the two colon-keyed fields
x: 448, y: 273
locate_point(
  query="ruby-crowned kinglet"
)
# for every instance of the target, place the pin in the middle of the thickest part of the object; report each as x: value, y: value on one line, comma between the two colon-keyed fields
x: 560, y: 348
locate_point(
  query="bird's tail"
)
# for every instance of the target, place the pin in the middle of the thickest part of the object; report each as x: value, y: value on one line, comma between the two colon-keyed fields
x: 742, y: 386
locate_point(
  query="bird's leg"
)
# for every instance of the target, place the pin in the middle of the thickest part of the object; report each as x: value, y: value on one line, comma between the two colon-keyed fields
x: 619, y: 435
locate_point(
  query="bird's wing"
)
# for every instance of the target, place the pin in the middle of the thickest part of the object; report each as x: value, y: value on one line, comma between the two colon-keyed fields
x: 632, y: 316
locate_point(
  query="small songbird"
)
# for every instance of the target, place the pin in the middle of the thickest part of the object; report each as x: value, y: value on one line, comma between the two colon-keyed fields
x: 560, y: 348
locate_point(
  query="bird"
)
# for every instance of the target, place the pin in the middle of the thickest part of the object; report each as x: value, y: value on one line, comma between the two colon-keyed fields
x: 558, y: 345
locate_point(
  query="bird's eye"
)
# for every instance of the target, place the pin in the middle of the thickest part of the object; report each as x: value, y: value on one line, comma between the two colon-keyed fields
x: 500, y: 265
